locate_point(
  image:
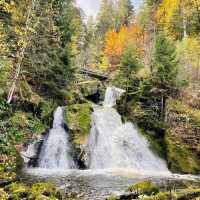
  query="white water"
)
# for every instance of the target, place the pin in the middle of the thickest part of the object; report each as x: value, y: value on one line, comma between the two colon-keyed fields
x: 55, y: 151
x: 113, y: 144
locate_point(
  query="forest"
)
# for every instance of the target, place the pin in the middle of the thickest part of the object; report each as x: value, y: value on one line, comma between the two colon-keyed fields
x: 61, y: 107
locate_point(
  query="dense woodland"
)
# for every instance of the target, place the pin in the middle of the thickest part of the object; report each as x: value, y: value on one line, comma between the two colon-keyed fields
x: 152, y: 53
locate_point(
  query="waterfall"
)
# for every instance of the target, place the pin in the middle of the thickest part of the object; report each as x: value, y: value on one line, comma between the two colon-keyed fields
x: 55, y: 152
x: 113, y: 144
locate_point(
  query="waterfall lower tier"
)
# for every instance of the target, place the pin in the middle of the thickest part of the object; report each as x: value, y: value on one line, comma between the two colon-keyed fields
x: 113, y: 144
x: 55, y: 152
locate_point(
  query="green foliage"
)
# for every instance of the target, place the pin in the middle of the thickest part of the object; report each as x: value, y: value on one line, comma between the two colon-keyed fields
x: 188, y: 52
x: 78, y: 118
x: 124, y: 13
x: 128, y: 68
x: 106, y: 12
x: 17, y: 190
x: 161, y: 196
x: 16, y: 127
x: 157, y: 144
x: 190, y: 193
x: 165, y: 63
x: 179, y: 157
x: 3, y: 195
x: 145, y: 188
x: 5, y: 70
x: 40, y: 190
x: 41, y: 39
x: 37, y: 191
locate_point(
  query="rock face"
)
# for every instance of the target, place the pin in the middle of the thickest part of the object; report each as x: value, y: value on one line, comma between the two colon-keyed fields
x: 183, y: 138
x: 31, y: 152
x: 78, y: 119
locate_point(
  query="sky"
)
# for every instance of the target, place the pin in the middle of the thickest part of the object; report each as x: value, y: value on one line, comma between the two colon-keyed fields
x: 91, y: 7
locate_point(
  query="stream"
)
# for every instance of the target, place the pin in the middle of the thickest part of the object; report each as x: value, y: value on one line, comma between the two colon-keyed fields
x: 100, y: 184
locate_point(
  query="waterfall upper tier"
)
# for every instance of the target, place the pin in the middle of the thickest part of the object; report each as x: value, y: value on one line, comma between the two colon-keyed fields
x: 112, y: 94
x: 55, y: 151
x: 113, y: 144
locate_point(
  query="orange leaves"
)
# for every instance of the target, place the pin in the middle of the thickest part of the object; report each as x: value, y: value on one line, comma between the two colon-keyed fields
x: 116, y: 42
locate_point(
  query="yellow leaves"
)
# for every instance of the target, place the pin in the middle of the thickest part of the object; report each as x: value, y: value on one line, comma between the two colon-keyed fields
x: 105, y: 65
x: 113, y: 47
x: 188, y: 51
x: 172, y: 14
x: 116, y: 42
x: 166, y: 11
x: 6, y: 6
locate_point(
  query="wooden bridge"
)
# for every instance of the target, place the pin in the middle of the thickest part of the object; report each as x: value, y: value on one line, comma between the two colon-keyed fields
x: 94, y: 73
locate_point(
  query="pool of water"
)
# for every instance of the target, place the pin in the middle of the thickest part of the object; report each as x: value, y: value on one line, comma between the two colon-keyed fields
x: 99, y: 184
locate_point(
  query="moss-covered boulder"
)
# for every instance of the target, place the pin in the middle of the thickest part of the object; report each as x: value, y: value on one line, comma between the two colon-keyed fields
x: 17, y: 191
x: 8, y: 168
x: 190, y: 193
x: 38, y: 191
x: 78, y: 118
x: 160, y: 196
x: 180, y: 159
x: 91, y: 87
x: 44, y: 191
x: 3, y: 195
x: 144, y: 187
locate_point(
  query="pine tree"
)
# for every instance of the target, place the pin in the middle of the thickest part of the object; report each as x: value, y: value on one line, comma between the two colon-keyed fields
x: 164, y: 70
x: 41, y: 42
x: 105, y: 18
x: 128, y: 67
x: 165, y: 62
x: 125, y: 13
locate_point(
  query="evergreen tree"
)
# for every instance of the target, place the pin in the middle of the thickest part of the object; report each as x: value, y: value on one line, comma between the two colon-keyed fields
x: 128, y: 67
x: 125, y: 13
x: 165, y: 62
x: 42, y: 38
x: 164, y: 70
x: 105, y: 18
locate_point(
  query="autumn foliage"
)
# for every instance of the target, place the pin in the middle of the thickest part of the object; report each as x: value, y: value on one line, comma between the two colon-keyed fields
x: 117, y: 42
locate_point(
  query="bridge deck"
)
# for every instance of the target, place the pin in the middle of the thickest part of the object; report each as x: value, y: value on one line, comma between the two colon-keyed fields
x: 94, y: 73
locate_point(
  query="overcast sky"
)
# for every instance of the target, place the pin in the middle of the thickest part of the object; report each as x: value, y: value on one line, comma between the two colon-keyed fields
x: 91, y: 7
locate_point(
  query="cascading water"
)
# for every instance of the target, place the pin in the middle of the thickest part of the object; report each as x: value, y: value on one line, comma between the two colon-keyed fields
x: 113, y: 144
x: 55, y: 151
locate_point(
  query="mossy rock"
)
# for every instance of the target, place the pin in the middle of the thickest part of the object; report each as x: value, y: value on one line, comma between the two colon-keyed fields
x: 47, y: 107
x: 145, y: 188
x: 8, y: 168
x: 19, y: 120
x: 179, y: 158
x: 157, y: 144
x: 160, y: 196
x: 38, y: 191
x: 112, y: 198
x: 17, y: 191
x: 3, y: 195
x: 90, y: 87
x: 44, y: 191
x: 192, y: 114
x: 78, y: 118
x: 189, y: 193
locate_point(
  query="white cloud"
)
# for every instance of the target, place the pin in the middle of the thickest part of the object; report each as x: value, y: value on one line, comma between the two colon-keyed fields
x: 90, y: 7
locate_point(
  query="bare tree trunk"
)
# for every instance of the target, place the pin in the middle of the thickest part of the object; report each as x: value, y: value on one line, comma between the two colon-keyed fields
x: 21, y: 57
x: 184, y: 20
x: 162, y: 105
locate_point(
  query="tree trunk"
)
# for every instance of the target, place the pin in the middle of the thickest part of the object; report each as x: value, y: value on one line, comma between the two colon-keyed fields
x: 20, y: 56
